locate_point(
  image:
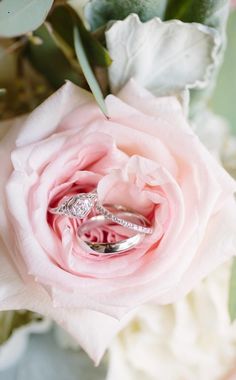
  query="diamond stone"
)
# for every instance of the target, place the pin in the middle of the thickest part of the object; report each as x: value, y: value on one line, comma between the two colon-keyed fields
x: 79, y: 206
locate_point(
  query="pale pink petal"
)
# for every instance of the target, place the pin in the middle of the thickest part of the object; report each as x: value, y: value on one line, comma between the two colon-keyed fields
x: 44, y: 120
x: 217, y: 253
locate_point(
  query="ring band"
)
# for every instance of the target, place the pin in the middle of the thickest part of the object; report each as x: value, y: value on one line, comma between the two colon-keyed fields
x: 80, y: 205
x: 141, y: 228
x: 114, y: 248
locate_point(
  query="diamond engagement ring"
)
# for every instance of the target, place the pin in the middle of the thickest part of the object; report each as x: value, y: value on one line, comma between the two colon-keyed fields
x: 76, y: 206
x: 108, y: 248
x: 80, y: 205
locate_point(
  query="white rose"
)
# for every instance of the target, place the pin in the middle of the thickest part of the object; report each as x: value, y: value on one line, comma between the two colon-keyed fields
x: 213, y: 131
x: 189, y: 340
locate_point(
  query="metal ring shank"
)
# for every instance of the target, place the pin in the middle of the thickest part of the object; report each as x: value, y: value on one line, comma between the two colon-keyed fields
x: 108, y: 248
x: 143, y: 228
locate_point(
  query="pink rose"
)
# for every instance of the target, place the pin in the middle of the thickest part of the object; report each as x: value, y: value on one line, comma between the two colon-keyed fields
x: 145, y: 158
x: 233, y: 3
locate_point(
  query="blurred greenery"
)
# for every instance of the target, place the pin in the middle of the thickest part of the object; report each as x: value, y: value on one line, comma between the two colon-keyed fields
x: 26, y: 88
x: 209, y: 12
x: 223, y: 101
x: 99, y: 12
x: 62, y: 20
x: 232, y: 292
x: 45, y: 359
x: 50, y: 61
x: 11, y: 320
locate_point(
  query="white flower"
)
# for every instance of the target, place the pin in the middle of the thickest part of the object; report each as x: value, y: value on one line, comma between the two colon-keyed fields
x: 189, y: 340
x: 163, y: 57
x: 213, y: 131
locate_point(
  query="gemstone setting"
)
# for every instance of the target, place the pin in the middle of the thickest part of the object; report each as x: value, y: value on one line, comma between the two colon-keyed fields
x: 78, y: 206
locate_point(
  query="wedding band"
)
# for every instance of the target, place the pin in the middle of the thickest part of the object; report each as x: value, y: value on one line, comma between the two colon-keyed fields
x: 115, y: 248
x: 143, y: 228
x: 80, y: 205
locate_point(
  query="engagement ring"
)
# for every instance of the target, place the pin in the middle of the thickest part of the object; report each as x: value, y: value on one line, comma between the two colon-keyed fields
x: 80, y: 205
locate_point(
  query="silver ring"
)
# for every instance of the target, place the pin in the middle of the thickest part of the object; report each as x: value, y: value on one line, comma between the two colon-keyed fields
x: 109, y: 249
x: 77, y: 206
x: 80, y: 205
x: 143, y: 228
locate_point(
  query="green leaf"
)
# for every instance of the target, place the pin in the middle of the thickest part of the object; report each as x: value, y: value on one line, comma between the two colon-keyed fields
x: 87, y: 70
x: 97, y: 54
x: 64, y: 47
x: 208, y: 12
x: 19, y: 17
x: 50, y: 61
x: 99, y: 12
x: 62, y: 20
x: 2, y: 91
x: 232, y: 293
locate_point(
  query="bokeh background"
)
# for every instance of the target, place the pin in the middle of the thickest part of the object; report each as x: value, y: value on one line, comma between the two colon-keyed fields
x: 224, y: 99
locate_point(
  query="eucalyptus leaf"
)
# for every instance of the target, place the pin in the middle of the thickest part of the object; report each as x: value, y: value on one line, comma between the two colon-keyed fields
x: 99, y: 12
x: 50, y: 61
x: 209, y: 12
x: 97, y: 54
x: 164, y: 57
x: 232, y: 293
x: 19, y: 17
x: 87, y: 70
